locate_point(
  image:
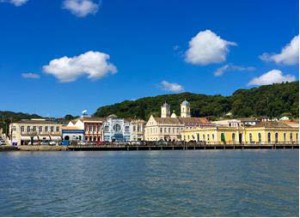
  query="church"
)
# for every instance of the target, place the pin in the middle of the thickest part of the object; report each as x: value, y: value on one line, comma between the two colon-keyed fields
x: 169, y: 126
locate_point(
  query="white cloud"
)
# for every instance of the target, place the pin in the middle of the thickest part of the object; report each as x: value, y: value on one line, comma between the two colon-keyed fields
x: 30, y: 75
x: 273, y: 76
x: 15, y: 2
x: 289, y: 54
x: 93, y: 64
x: 171, y: 87
x: 206, y: 48
x: 81, y: 8
x: 229, y: 67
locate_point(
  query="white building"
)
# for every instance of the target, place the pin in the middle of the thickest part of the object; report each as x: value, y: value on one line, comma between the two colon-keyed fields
x: 137, y: 129
x: 34, y: 131
x: 116, y: 129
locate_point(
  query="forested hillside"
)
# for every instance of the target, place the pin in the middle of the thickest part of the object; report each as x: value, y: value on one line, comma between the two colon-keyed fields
x: 270, y: 100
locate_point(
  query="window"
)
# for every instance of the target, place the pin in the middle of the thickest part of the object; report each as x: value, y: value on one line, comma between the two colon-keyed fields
x: 203, y: 137
x: 233, y: 137
x: 40, y: 128
x: 22, y: 128
x: 250, y: 137
x: 133, y: 128
x: 291, y: 137
x: 51, y: 129
x: 213, y: 137
x: 207, y: 137
x: 28, y: 128
x: 46, y: 128
x: 57, y: 129
x: 276, y: 137
x: 160, y: 130
x: 259, y: 137
x: 34, y: 128
x: 269, y: 137
x: 284, y: 137
x: 106, y: 128
x: 296, y: 136
x: 126, y: 128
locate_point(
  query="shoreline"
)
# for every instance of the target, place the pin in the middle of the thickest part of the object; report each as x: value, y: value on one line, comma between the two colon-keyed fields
x: 145, y: 148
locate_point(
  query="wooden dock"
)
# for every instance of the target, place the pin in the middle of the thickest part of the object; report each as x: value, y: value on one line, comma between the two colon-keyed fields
x: 176, y: 147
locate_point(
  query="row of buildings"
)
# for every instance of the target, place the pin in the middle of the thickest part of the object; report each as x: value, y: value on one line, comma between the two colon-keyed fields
x: 167, y: 127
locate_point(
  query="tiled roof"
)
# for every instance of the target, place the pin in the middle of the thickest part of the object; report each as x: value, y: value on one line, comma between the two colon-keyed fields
x: 36, y: 122
x: 167, y: 120
x: 182, y: 120
x: 193, y: 120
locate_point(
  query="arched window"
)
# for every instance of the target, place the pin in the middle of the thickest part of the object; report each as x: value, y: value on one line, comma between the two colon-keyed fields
x: 276, y: 137
x: 259, y: 137
x: 291, y: 137
x: 269, y: 137
x: 284, y: 137
x: 233, y: 137
x: 203, y: 137
x: 250, y: 137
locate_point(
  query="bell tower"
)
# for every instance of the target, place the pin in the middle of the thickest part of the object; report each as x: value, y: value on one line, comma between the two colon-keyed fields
x: 185, y: 109
x: 165, y: 110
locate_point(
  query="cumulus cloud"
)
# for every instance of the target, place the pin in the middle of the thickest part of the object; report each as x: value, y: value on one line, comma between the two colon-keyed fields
x: 289, y: 54
x: 207, y: 48
x: 273, y: 76
x: 15, y: 2
x: 81, y: 8
x: 229, y: 67
x: 30, y: 75
x: 171, y: 87
x: 92, y: 63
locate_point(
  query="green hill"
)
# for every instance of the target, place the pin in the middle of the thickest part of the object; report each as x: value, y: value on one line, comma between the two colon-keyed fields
x: 270, y: 100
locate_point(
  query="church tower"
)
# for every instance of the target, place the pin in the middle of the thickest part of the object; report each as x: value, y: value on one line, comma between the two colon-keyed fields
x: 185, y: 109
x: 165, y: 110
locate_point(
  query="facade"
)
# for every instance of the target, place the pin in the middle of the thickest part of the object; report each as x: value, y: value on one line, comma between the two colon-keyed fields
x: 168, y: 127
x: 70, y: 133
x: 116, y: 129
x: 262, y: 133
x: 137, y: 130
x: 163, y: 128
x: 92, y: 127
x: 34, y: 131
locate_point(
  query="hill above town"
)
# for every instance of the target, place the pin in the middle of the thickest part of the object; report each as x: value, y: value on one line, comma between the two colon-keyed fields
x: 270, y: 100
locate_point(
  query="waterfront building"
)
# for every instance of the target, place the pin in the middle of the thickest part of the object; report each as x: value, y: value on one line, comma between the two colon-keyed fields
x: 137, y: 129
x: 92, y: 127
x: 34, y: 131
x: 270, y: 132
x: 116, y: 129
x: 168, y: 127
x: 72, y: 133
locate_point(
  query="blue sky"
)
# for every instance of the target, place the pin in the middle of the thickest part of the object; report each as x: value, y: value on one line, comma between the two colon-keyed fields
x: 119, y: 50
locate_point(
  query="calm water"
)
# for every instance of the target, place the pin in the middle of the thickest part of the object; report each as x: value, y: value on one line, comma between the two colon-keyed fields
x: 150, y: 183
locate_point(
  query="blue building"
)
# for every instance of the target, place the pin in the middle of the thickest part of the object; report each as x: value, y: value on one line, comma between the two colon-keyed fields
x: 116, y: 129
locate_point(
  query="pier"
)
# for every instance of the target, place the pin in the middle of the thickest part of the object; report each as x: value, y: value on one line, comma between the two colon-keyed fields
x: 178, y: 147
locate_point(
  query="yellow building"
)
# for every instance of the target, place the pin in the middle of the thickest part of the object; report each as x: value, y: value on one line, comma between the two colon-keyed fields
x: 262, y: 133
